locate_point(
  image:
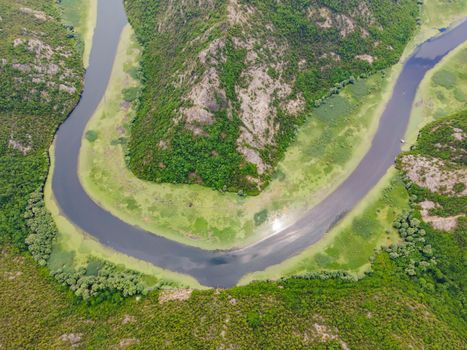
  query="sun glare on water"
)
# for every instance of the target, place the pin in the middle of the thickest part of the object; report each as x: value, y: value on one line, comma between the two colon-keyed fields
x: 277, y: 224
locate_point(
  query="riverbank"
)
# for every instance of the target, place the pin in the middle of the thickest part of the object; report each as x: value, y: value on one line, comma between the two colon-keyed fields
x: 74, y: 246
x: 210, y: 267
x: 325, y: 152
x: 82, y: 15
x: 328, y: 147
x: 350, y: 245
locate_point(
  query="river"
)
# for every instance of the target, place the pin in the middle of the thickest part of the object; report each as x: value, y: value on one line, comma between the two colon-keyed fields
x: 225, y: 268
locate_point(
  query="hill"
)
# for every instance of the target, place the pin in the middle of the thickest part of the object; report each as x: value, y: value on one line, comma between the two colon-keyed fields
x: 41, y: 80
x: 226, y: 84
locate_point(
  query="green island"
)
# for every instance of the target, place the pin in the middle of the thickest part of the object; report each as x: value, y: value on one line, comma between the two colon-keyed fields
x: 388, y: 276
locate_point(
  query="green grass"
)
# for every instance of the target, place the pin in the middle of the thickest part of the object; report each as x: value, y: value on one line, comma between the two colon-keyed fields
x: 81, y: 14
x: 434, y: 100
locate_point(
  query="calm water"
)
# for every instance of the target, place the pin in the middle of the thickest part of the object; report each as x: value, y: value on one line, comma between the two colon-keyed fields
x: 217, y: 268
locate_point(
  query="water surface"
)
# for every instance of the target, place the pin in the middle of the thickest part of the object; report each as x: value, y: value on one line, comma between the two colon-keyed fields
x: 225, y: 268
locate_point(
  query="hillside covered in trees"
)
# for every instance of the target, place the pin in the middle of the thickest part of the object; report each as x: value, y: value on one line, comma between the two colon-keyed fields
x: 41, y: 80
x: 226, y: 83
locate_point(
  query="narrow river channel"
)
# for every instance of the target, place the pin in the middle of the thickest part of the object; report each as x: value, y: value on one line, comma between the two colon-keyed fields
x: 225, y: 268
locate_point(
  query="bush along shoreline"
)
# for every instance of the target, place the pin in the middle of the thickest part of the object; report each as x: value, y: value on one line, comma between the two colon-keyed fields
x: 107, y: 281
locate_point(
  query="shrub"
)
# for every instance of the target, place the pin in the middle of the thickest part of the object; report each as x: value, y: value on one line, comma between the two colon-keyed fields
x: 91, y: 135
x: 108, y: 279
x: 43, y: 230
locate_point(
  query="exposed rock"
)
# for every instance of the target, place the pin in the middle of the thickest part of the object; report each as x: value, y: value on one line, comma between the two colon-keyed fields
x: 73, y: 338
x: 66, y: 88
x: 124, y: 343
x: 325, y: 20
x: 24, y: 149
x: 174, y: 294
x: 237, y: 13
x: 37, y: 14
x: 458, y: 134
x: 128, y: 319
x: 368, y: 58
x: 17, y: 42
x: 432, y: 173
x: 440, y: 223
x: 40, y: 49
x: 25, y: 68
x: 11, y: 276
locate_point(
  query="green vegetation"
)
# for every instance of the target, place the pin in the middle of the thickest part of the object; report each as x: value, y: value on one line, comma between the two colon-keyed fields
x: 434, y: 257
x: 209, y: 70
x: 97, y: 280
x: 412, y: 297
x: 383, y: 311
x: 41, y: 73
x: 42, y: 227
x: 81, y: 16
x: 106, y: 282
x: 329, y: 145
x: 344, y: 248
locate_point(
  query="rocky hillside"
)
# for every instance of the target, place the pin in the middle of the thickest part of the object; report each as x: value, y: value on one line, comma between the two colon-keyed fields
x: 40, y: 82
x: 226, y: 83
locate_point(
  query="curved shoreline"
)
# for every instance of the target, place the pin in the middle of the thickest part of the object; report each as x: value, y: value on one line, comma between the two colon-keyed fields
x: 214, y: 268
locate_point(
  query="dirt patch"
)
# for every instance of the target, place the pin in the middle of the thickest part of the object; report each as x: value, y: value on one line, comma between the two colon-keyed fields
x: 174, y: 295
x: 440, y: 223
x: 432, y: 173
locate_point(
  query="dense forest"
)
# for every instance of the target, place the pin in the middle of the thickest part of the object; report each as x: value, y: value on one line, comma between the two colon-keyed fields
x: 412, y: 298
x: 41, y: 80
x: 227, y: 83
